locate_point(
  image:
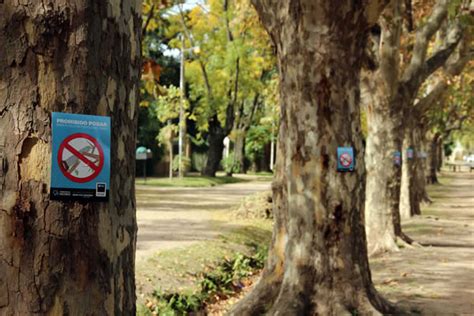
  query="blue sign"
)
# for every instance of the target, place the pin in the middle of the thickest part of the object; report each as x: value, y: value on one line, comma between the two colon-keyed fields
x: 397, y: 158
x: 345, y: 159
x: 410, y: 153
x: 80, y: 167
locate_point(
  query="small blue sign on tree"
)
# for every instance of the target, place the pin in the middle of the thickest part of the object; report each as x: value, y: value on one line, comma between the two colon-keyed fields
x: 80, y: 161
x: 397, y: 158
x: 345, y: 159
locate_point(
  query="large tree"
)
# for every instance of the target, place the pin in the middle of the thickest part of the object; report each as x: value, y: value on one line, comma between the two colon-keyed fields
x: 318, y: 257
x: 392, y: 89
x: 228, y: 71
x: 66, y: 258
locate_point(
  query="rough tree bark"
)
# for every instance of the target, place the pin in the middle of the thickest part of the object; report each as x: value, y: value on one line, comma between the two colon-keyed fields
x: 413, y: 180
x: 390, y: 100
x: 453, y: 54
x: 318, y: 259
x: 421, y: 195
x: 419, y: 69
x: 384, y: 120
x: 432, y: 162
x: 216, y: 146
x: 407, y: 181
x: 239, y: 151
x: 66, y: 258
x: 440, y: 153
x: 243, y: 122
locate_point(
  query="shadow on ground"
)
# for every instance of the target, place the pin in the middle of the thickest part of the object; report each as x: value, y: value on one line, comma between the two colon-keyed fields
x: 437, y: 279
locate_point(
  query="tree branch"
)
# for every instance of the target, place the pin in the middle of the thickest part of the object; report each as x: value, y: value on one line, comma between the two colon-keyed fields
x: 391, y: 25
x: 423, y: 37
x: 148, y: 19
x: 460, y: 120
x: 426, y: 102
x: 453, y: 67
x: 252, y: 112
x: 439, y: 58
x: 201, y: 63
x: 409, y: 15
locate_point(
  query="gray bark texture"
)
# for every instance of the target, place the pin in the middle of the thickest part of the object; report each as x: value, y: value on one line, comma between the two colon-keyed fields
x: 407, y: 181
x: 440, y: 153
x: 432, y: 161
x: 239, y: 151
x: 216, y: 146
x: 389, y: 108
x: 382, y: 97
x: 318, y: 258
x: 66, y: 258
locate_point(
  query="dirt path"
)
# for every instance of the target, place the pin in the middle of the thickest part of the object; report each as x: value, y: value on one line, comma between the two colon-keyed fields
x: 176, y: 217
x: 437, y: 279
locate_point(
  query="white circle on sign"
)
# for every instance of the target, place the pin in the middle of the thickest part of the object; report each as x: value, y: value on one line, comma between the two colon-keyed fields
x: 80, y: 157
x: 345, y: 159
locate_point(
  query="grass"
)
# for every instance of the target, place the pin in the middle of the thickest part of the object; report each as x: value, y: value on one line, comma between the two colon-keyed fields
x: 261, y: 173
x: 189, y: 181
x: 179, y: 269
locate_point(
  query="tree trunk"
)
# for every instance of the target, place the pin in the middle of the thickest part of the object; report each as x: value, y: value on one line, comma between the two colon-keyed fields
x: 440, y: 153
x: 66, y: 258
x: 408, y: 186
x: 323, y: 268
x: 407, y: 172
x: 432, y: 160
x: 384, y: 120
x: 239, y: 152
x: 266, y: 290
x: 419, y: 182
x: 216, y: 147
x: 383, y: 179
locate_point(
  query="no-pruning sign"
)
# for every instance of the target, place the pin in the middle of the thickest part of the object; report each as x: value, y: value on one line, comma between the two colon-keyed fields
x: 345, y: 159
x: 81, y: 157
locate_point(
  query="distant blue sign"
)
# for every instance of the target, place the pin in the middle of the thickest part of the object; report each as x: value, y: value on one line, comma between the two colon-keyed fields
x: 80, y: 157
x: 345, y: 159
x: 397, y: 158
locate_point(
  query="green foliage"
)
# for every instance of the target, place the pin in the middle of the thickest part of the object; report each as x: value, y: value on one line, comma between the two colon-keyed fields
x: 176, y: 303
x: 207, y: 30
x: 220, y: 281
x: 448, y: 148
x: 168, y: 104
x: 198, y: 161
x: 257, y: 138
x: 229, y: 164
x: 167, y: 134
x: 185, y: 163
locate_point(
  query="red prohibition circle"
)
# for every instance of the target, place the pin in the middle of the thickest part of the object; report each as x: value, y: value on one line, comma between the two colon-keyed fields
x: 345, y: 159
x: 96, y: 169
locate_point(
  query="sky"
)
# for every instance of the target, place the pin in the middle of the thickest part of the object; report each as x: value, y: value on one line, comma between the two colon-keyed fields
x: 188, y: 5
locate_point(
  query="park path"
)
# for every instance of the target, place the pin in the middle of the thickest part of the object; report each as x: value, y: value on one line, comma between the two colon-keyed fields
x: 176, y: 217
x: 437, y: 279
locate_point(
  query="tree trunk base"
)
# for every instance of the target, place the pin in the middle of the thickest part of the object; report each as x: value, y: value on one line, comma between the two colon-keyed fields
x: 262, y: 296
x: 270, y: 299
x: 404, y: 237
x: 384, y: 244
x: 410, y: 245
